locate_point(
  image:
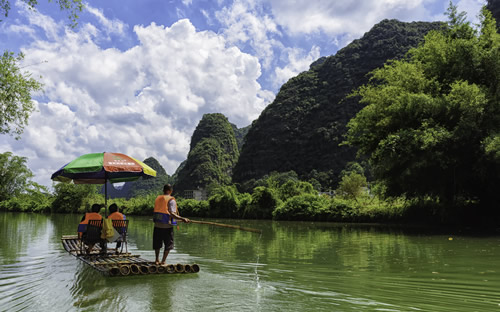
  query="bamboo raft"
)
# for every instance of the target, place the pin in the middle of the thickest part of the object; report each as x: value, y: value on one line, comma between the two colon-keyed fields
x: 123, y: 264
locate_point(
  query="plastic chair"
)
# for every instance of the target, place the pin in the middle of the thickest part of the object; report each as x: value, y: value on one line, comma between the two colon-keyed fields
x: 121, y: 226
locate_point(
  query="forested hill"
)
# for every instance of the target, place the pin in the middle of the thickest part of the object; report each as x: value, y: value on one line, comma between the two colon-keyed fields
x: 212, y: 156
x: 301, y: 130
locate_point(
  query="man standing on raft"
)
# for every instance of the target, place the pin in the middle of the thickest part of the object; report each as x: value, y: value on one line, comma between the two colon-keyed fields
x: 164, y: 217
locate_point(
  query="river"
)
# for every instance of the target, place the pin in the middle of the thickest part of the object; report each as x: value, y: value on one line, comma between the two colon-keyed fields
x: 291, y: 266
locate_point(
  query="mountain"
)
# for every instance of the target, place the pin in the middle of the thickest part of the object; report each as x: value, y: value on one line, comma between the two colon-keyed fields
x: 302, y: 128
x: 239, y: 134
x: 212, y: 156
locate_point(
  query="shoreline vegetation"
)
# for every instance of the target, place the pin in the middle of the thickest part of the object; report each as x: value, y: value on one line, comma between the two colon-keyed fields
x: 279, y: 198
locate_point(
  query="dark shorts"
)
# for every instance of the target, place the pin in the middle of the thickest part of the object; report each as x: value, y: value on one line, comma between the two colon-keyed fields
x: 163, y: 236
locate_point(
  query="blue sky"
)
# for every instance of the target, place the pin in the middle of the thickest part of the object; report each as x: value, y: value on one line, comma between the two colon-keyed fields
x: 137, y: 76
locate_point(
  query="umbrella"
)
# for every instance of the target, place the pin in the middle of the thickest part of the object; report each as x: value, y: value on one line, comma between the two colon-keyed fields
x: 99, y: 168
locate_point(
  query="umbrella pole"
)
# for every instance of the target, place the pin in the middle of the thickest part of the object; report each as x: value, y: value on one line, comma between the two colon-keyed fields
x: 105, y: 196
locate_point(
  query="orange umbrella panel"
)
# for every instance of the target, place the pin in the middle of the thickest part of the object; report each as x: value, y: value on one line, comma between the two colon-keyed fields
x: 97, y: 168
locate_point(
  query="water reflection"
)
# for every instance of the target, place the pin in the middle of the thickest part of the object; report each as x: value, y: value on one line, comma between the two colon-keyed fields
x: 291, y: 266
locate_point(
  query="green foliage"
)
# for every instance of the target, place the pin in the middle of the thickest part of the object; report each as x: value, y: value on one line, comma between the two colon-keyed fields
x: 240, y: 134
x: 140, y: 205
x: 431, y: 122
x: 301, y: 208
x: 194, y: 208
x: 16, y: 88
x: 264, y: 201
x: 14, y: 176
x: 213, y: 154
x: 224, y: 202
x: 73, y: 197
x: 352, y: 185
x: 302, y: 128
x: 150, y: 185
x: 34, y: 199
x: 293, y: 188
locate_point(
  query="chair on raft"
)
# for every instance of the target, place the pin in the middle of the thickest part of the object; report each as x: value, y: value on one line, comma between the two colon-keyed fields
x: 92, y: 236
x: 121, y: 226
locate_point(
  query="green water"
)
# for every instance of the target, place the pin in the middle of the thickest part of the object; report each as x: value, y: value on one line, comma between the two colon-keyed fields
x: 292, y: 266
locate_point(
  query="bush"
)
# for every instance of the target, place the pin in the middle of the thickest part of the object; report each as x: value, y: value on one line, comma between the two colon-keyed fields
x: 264, y: 201
x: 302, y: 207
x: 224, y: 202
x: 70, y: 197
x: 293, y: 188
x: 193, y: 208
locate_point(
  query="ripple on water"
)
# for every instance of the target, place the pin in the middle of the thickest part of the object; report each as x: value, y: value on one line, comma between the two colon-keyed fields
x: 21, y: 282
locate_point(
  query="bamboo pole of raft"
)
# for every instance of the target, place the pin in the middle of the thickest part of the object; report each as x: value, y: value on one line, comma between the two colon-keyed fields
x: 228, y: 226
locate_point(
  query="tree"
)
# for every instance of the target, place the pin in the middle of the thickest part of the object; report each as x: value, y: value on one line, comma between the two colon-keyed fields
x: 431, y: 124
x: 352, y: 185
x: 70, y: 197
x: 14, y: 175
x: 16, y: 88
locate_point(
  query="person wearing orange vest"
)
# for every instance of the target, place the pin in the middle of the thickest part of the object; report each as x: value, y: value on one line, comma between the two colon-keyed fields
x: 116, y: 215
x: 82, y: 227
x: 93, y: 215
x: 164, y: 217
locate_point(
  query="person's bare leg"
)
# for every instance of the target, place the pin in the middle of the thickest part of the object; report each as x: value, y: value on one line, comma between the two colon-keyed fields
x: 157, y: 254
x: 165, y: 254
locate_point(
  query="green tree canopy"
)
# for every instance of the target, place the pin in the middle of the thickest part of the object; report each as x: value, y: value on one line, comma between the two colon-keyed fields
x: 16, y: 88
x: 431, y: 125
x: 14, y: 175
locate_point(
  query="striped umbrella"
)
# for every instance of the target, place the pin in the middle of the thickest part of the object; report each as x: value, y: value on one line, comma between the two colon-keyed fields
x: 99, y: 168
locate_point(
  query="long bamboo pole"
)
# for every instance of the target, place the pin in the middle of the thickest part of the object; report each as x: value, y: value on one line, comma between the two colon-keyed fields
x: 228, y: 226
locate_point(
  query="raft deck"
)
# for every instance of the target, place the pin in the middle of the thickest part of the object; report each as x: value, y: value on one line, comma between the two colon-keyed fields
x: 122, y: 264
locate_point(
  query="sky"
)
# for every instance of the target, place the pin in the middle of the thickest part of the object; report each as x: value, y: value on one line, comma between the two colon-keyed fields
x: 136, y: 77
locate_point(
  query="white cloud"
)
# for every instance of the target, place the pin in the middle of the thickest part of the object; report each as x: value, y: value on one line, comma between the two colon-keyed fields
x: 145, y: 101
x: 352, y: 19
x: 343, y: 16
x: 296, y: 63
x: 246, y: 23
x: 110, y: 26
x: 49, y: 26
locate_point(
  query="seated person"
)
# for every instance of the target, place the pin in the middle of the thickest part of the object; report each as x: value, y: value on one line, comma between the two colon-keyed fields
x: 82, y: 227
x: 114, y: 214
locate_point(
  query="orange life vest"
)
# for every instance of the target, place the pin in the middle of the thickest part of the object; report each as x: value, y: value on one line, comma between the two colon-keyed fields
x: 82, y: 227
x: 161, y: 213
x: 116, y: 216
